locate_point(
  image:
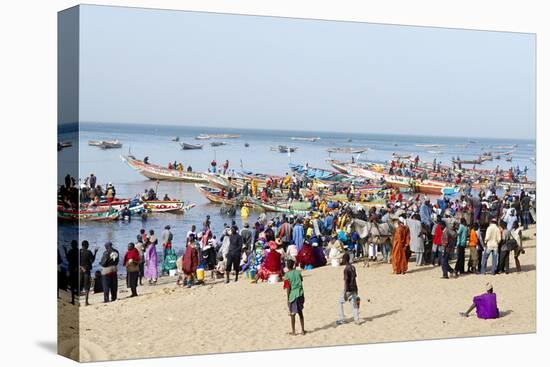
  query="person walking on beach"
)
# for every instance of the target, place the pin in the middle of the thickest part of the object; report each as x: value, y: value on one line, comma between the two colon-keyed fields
x: 462, y: 240
x: 190, y: 261
x: 492, y: 239
x: 526, y: 211
x: 246, y: 234
x: 417, y: 238
x: 87, y: 259
x: 401, y: 241
x: 74, y: 273
x: 298, y: 234
x: 140, y: 246
x: 109, y: 262
x: 166, y: 238
x: 437, y: 234
x: 350, y: 292
x: 233, y: 254
x: 293, y: 283
x: 473, y: 243
x: 131, y: 262
x: 508, y: 243
x: 448, y: 243
x: 151, y: 261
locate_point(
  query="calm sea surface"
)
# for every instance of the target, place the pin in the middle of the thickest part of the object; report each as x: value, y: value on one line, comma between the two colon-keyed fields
x: 155, y: 142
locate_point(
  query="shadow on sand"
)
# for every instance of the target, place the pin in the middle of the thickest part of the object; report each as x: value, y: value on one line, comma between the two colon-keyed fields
x: 333, y: 325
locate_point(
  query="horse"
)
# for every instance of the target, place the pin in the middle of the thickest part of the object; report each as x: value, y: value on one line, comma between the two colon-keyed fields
x: 371, y: 232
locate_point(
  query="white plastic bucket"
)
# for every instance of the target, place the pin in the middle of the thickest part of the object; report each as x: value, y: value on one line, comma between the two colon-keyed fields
x: 335, y: 262
x: 172, y: 272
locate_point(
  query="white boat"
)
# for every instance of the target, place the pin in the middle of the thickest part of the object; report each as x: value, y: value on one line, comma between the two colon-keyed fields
x: 347, y: 150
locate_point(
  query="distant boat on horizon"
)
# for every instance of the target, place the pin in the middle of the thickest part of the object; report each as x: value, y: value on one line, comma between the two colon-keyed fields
x: 187, y: 146
x: 312, y: 139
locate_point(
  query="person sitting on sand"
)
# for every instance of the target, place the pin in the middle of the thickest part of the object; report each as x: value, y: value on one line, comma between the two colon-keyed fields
x: 485, y: 305
x: 305, y: 256
x: 272, y: 263
x: 319, y: 258
x: 295, y: 296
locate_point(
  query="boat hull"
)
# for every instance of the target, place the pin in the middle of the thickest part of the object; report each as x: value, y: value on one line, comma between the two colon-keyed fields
x: 155, y: 172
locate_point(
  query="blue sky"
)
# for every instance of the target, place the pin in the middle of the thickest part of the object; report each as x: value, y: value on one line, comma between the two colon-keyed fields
x: 204, y: 69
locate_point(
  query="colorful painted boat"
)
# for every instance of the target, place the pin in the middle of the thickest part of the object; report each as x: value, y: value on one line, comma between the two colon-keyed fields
x: 164, y: 206
x: 213, y: 195
x: 70, y: 215
x: 295, y: 208
x: 156, y: 172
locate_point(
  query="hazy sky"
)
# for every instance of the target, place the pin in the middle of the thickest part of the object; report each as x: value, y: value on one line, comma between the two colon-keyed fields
x: 185, y: 68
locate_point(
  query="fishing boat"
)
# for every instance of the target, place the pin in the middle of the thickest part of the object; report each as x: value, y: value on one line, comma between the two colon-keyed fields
x: 284, y: 149
x: 295, y: 208
x: 92, y: 215
x: 217, y: 143
x: 187, y: 146
x: 202, y: 137
x: 509, y: 159
x: 217, y: 136
x: 214, y: 195
x: 164, y: 206
x: 95, y: 143
x: 339, y: 166
x: 377, y: 172
x: 110, y: 144
x: 466, y: 161
x: 246, y: 145
x: 514, y: 146
x: 429, y: 145
x: 314, y: 139
x: 401, y: 156
x: 224, y: 136
x: 347, y: 150
x: 156, y: 172
x: 177, y: 138
x: 323, y: 175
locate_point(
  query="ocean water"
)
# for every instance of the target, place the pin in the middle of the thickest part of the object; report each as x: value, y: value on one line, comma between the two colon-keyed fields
x: 155, y: 141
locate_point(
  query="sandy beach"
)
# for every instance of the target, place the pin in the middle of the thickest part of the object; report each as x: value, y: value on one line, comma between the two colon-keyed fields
x: 166, y: 320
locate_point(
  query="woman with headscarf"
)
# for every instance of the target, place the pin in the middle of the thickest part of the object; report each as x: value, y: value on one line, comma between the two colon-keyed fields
x: 401, y: 240
x: 151, y: 261
x: 131, y: 262
x: 190, y: 261
x: 272, y: 263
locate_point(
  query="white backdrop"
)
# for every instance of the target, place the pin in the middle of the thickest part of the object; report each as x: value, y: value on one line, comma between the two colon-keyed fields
x: 28, y: 184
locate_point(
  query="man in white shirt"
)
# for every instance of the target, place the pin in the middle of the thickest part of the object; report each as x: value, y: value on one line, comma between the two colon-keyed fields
x: 493, y: 237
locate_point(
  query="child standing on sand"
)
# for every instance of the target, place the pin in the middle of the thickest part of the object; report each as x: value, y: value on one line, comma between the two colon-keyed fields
x: 350, y: 292
x: 295, y: 295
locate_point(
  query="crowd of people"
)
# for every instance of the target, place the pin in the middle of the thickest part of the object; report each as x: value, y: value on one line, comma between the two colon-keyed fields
x: 470, y: 231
